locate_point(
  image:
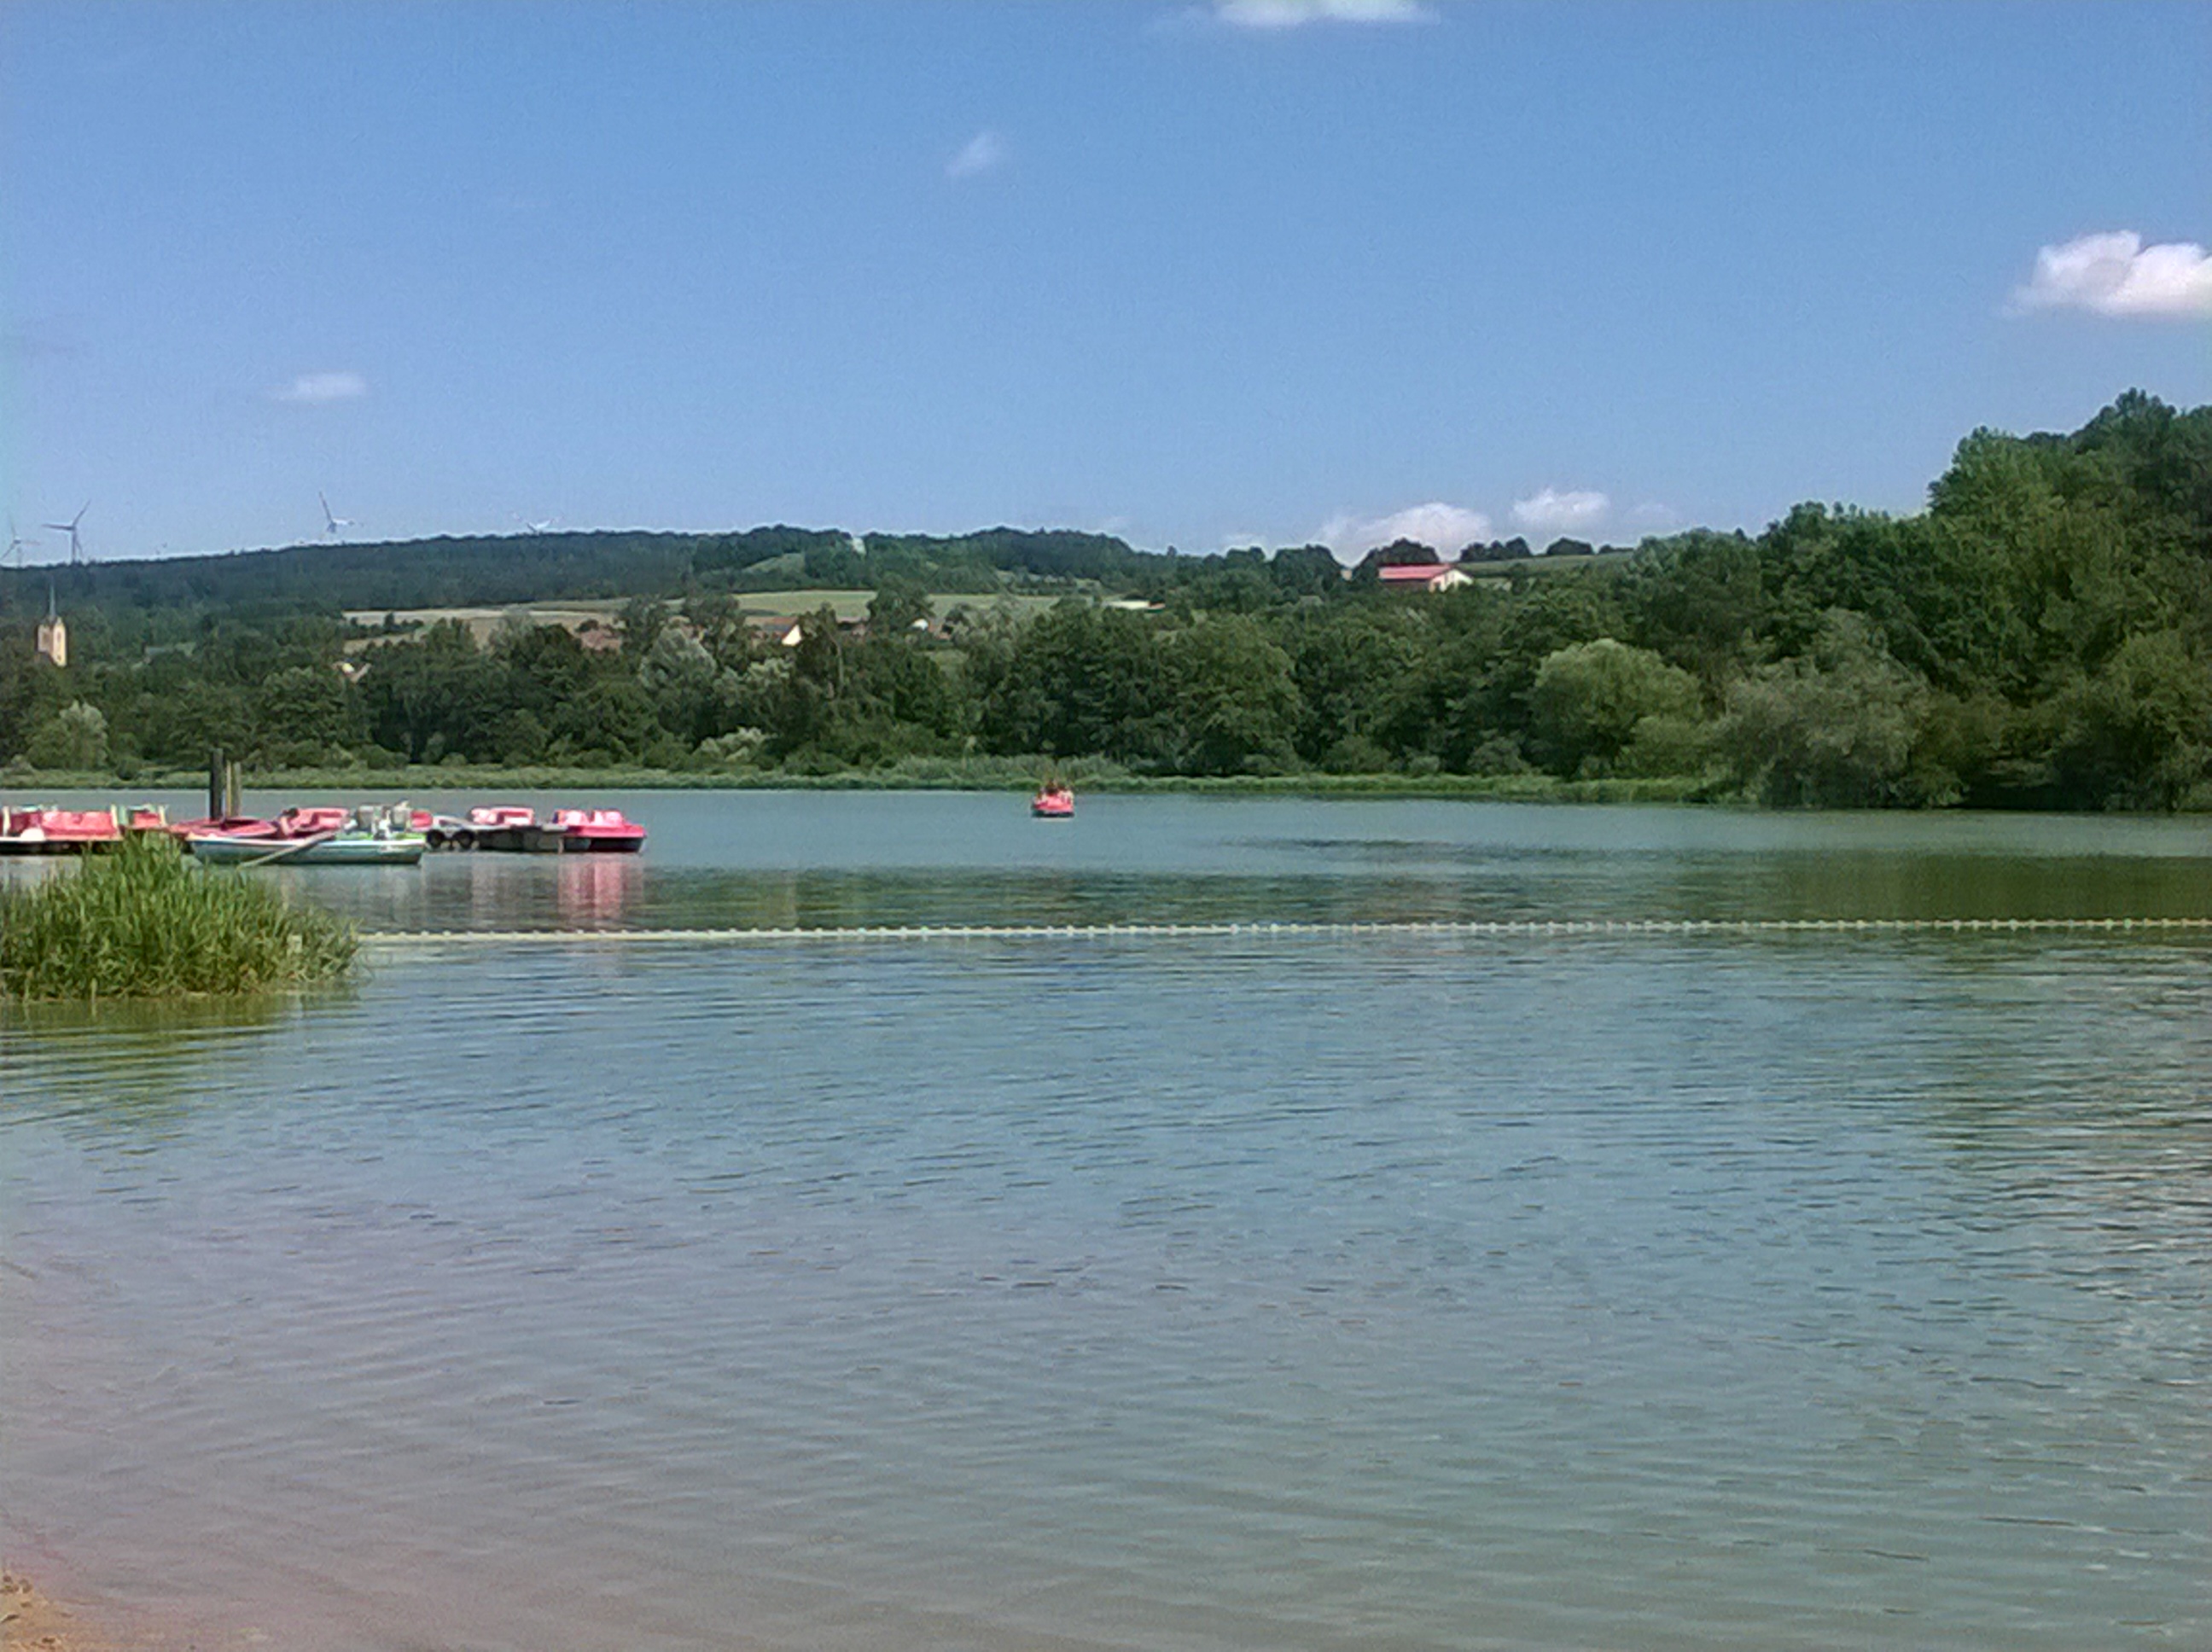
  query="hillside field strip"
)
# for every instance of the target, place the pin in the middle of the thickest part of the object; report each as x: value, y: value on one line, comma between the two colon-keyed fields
x: 407, y: 622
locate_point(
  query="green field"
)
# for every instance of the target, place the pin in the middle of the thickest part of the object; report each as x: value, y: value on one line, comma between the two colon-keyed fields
x: 1557, y: 564
x: 574, y: 616
x: 853, y: 605
x: 483, y: 621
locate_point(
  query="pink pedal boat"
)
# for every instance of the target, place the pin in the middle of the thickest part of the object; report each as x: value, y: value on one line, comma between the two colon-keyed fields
x: 598, y: 831
x: 511, y: 829
x: 57, y: 831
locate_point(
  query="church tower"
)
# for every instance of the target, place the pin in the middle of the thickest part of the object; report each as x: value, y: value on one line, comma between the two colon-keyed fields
x: 53, y: 635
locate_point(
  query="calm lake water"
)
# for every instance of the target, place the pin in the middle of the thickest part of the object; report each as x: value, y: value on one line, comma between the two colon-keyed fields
x: 1376, y: 1292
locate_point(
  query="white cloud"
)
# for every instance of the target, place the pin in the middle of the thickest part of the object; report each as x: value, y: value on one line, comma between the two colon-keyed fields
x: 1554, y: 512
x: 985, y: 152
x: 2115, y: 274
x: 1295, y: 14
x: 323, y: 387
x: 1445, y: 528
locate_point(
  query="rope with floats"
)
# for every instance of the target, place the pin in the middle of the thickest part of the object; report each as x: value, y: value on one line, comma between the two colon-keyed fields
x: 1502, y: 928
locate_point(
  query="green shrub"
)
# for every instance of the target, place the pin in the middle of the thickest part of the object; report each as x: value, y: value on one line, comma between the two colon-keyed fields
x: 1663, y: 744
x: 1831, y: 730
x: 140, y: 921
x: 75, y: 738
x: 1588, y: 701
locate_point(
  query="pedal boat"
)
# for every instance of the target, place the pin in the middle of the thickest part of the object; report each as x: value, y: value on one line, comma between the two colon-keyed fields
x: 597, y: 831
x: 57, y: 831
x: 513, y: 828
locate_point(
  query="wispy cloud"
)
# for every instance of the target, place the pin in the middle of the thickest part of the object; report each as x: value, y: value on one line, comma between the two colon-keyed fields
x: 1446, y: 528
x: 1297, y: 14
x: 2115, y: 274
x: 985, y: 152
x: 323, y: 387
x: 1555, y: 511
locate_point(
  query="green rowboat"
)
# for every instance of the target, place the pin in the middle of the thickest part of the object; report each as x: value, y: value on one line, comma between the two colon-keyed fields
x: 336, y: 849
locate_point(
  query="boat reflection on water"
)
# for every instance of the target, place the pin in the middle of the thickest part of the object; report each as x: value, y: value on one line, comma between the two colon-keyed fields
x: 595, y: 892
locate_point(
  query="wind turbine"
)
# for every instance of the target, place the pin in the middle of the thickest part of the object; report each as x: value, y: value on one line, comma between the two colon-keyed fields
x: 333, y: 524
x: 70, y: 528
x: 17, y: 542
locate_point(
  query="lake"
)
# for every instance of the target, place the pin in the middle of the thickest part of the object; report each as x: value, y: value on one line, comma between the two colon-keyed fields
x: 1305, y: 1291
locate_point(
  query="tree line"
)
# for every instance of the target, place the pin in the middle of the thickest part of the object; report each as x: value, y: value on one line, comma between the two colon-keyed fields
x: 2039, y: 635
x: 150, y: 597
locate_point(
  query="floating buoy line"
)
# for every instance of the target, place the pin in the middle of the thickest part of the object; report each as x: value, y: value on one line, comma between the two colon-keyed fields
x: 1503, y: 929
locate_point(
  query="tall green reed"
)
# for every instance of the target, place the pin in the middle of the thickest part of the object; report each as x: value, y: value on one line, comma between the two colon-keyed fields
x: 141, y: 921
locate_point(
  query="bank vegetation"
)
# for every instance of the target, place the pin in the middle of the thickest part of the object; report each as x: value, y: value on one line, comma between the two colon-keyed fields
x: 141, y: 920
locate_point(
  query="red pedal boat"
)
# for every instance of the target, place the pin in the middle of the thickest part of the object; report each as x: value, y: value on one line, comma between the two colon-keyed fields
x: 1054, y: 802
x: 512, y: 829
x: 57, y: 831
x: 597, y: 831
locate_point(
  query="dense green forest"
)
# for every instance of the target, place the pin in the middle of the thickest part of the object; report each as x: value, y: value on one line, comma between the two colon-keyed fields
x: 2040, y: 635
x: 150, y: 597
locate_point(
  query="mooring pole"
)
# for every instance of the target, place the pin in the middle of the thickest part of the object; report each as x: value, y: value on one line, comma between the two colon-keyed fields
x: 233, y: 804
x: 215, y: 784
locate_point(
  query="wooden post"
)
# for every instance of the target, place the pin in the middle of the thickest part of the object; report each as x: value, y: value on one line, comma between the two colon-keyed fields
x: 216, y: 777
x: 233, y: 792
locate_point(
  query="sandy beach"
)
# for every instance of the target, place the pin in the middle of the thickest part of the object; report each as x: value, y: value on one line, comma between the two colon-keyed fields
x: 29, y: 1619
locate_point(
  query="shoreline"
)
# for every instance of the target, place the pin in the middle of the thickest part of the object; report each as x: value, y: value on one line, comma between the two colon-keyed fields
x: 1009, y: 777
x: 1468, y: 789
x: 30, y: 1618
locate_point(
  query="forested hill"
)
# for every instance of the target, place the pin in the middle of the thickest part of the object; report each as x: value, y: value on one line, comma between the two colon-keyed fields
x: 495, y: 570
x: 411, y: 573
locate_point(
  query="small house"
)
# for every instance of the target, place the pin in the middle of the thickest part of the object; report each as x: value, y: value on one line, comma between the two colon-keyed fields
x: 781, y: 630
x: 1423, y: 576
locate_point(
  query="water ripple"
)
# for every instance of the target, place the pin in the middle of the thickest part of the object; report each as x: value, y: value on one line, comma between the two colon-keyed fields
x: 1411, y: 1290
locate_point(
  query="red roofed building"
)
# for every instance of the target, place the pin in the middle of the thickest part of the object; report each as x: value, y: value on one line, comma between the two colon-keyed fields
x: 1422, y: 576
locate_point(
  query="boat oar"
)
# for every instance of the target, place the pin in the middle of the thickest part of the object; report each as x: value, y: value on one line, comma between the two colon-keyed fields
x: 289, y: 848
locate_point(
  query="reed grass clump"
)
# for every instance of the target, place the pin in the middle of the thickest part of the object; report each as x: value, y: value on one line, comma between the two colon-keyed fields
x: 140, y: 921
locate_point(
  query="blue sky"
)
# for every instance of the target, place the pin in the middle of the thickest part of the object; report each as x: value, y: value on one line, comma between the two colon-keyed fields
x: 1199, y: 275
